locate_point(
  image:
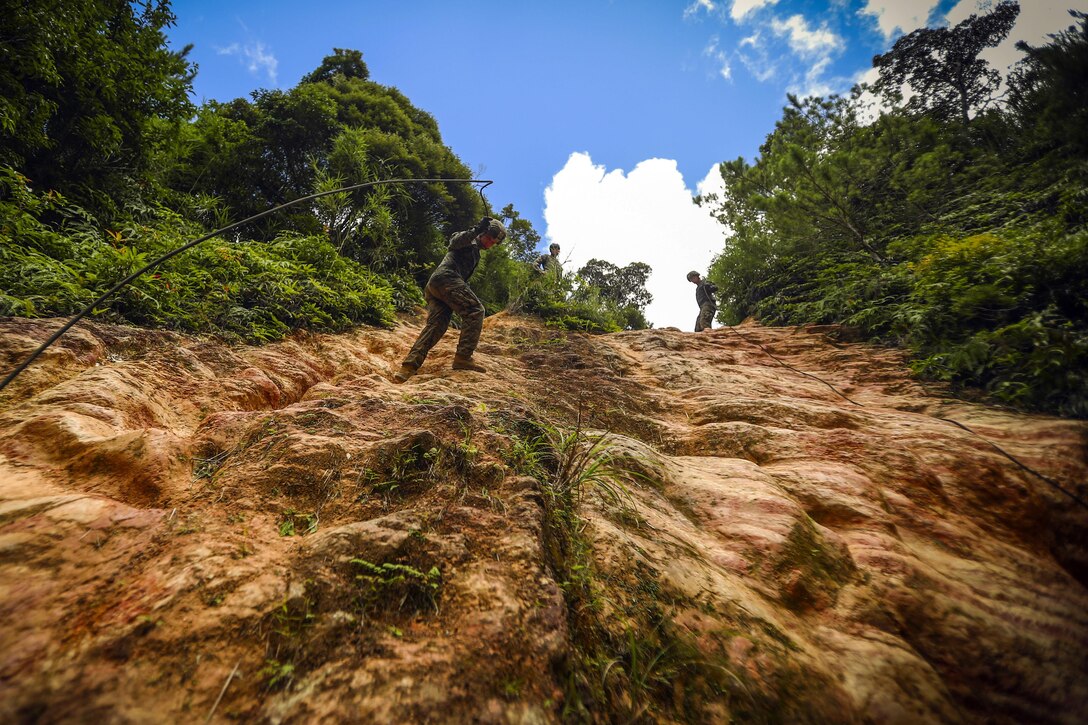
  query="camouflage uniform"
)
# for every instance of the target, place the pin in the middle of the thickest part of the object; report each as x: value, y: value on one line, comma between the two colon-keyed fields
x: 548, y: 264
x: 704, y: 296
x: 448, y: 292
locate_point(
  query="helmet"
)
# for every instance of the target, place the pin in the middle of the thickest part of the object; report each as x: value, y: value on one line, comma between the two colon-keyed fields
x: 692, y: 275
x: 553, y: 245
x: 496, y: 230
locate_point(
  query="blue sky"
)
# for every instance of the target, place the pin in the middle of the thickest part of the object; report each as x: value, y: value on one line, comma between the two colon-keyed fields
x: 598, y: 119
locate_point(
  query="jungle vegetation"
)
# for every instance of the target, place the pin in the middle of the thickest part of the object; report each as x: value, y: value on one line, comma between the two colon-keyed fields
x: 105, y: 164
x: 950, y: 220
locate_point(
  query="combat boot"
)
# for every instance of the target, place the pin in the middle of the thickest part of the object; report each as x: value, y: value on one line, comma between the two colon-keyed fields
x: 467, y: 363
x: 405, y: 372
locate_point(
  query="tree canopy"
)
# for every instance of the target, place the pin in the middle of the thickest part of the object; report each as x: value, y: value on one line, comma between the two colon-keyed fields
x: 943, y: 67
x: 623, y: 286
x: 942, y: 226
x: 83, y: 87
x: 106, y: 165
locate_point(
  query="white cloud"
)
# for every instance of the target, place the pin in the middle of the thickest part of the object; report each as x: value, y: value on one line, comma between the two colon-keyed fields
x: 814, y: 46
x: 869, y: 75
x: 870, y: 106
x: 643, y: 216
x: 255, y: 57
x: 814, y: 84
x: 804, y: 40
x: 741, y: 8
x: 902, y: 15
x: 698, y: 5
x: 753, y: 54
x: 725, y: 70
x: 792, y: 50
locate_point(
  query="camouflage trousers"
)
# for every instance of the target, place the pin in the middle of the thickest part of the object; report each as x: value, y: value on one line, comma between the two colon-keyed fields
x: 446, y: 295
x: 705, y: 320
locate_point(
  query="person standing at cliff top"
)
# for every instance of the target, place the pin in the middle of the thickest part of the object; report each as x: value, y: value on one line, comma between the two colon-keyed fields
x: 447, y: 292
x: 704, y: 297
x: 549, y: 262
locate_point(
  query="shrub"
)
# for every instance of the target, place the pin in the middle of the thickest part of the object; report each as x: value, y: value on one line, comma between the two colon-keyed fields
x: 242, y: 289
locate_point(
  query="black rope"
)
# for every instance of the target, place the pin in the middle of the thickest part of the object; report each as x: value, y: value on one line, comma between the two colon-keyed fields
x: 151, y: 265
x: 481, y: 190
x: 801, y: 372
x: 1008, y: 455
x: 999, y: 449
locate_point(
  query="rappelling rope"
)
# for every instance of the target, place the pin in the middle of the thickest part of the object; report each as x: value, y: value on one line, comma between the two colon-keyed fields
x: 956, y: 423
x: 151, y: 265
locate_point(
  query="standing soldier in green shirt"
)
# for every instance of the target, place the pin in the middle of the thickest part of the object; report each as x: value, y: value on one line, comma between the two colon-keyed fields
x: 448, y: 292
x: 549, y: 262
x: 704, y: 296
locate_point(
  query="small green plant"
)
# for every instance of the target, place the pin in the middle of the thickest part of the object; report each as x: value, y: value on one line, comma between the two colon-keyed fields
x: 465, y: 451
x: 389, y: 582
x: 277, y: 675
x: 650, y: 663
x: 292, y: 617
x: 294, y: 523
x: 512, y: 688
x: 525, y: 455
x: 642, y: 668
x: 412, y: 464
x: 392, y: 472
x: 286, y: 647
x: 581, y: 460
x: 385, y: 488
x: 206, y: 467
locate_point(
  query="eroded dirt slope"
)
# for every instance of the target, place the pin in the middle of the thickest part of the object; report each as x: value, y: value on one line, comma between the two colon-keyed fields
x: 280, y: 534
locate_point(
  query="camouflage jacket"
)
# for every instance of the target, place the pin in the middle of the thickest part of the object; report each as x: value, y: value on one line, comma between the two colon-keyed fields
x: 462, y: 257
x: 548, y: 263
x: 704, y: 293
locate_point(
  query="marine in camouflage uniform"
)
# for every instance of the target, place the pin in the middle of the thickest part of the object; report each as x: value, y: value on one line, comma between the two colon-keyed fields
x: 549, y: 262
x: 447, y: 292
x: 704, y: 297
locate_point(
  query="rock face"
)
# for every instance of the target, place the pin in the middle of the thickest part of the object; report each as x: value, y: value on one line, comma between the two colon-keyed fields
x: 751, y: 524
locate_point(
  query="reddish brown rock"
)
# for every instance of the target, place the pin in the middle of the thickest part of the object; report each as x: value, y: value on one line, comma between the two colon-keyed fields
x: 285, y: 526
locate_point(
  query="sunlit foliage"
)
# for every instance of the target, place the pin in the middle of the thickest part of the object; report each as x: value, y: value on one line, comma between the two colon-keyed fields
x: 962, y: 238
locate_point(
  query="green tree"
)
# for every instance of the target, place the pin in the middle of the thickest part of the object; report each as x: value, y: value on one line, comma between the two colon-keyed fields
x: 620, y: 290
x: 81, y: 83
x: 522, y: 239
x: 967, y: 245
x: 336, y: 128
x: 347, y: 63
x: 622, y: 286
x: 1049, y: 90
x: 808, y: 182
x: 943, y: 67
